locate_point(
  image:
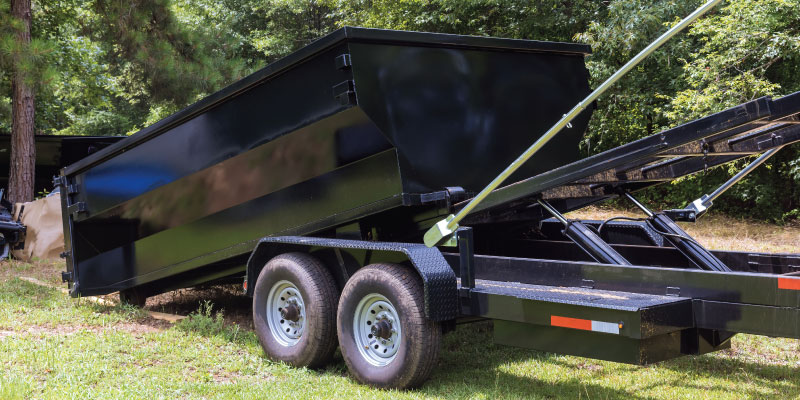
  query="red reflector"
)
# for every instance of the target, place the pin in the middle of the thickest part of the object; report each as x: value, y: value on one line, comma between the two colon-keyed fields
x: 789, y: 283
x: 574, y: 323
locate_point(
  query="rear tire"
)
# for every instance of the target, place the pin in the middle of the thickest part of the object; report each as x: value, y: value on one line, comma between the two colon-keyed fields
x: 294, y: 310
x: 384, y: 336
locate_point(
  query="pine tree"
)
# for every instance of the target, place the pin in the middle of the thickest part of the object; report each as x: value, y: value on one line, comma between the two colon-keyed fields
x: 23, y: 148
x: 22, y: 56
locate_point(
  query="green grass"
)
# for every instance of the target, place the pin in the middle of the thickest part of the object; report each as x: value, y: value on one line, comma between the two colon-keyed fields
x: 53, y: 347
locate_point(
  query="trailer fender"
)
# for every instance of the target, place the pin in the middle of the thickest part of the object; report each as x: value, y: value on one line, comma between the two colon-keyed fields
x: 439, y: 280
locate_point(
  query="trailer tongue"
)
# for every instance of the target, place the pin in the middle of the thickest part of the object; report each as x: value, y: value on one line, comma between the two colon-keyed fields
x: 314, y: 181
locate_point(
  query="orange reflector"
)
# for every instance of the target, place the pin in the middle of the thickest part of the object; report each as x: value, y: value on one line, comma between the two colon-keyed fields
x: 574, y: 323
x: 789, y: 283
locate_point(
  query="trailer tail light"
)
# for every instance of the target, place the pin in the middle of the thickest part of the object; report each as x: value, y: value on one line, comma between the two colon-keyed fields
x: 586, y: 324
x: 789, y: 283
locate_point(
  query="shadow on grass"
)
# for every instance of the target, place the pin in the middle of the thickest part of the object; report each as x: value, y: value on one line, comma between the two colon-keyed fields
x: 471, y: 365
x: 781, y: 380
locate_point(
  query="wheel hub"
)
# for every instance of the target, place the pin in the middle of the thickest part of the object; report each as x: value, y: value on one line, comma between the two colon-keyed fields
x: 382, y: 329
x: 291, y: 312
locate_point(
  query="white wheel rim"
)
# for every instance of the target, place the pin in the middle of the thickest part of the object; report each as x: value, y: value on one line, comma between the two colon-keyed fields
x: 371, y: 310
x: 285, y: 294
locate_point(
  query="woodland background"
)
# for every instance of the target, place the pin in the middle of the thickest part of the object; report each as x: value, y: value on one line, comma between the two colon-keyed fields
x: 111, y: 67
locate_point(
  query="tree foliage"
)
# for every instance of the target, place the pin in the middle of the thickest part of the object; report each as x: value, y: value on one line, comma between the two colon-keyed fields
x: 33, y: 61
x: 749, y: 49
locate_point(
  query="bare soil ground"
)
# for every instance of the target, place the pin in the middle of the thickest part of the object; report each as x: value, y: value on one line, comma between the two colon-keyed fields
x: 720, y: 232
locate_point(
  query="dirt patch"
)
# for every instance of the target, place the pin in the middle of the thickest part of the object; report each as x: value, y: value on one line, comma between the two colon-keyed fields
x: 48, y: 271
x: 720, y: 232
x: 229, y: 299
x: 590, y: 366
x: 135, y: 328
x: 782, y: 352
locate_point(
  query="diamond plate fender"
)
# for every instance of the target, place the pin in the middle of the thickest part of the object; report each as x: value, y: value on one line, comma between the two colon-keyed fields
x: 441, y: 295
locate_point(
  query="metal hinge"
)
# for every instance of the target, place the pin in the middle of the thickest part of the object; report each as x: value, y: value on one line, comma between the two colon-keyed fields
x: 66, y: 276
x: 64, y: 254
x: 345, y: 92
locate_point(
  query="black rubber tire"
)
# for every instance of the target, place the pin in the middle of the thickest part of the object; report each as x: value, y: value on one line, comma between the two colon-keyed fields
x: 133, y: 296
x: 320, y: 297
x: 421, y: 337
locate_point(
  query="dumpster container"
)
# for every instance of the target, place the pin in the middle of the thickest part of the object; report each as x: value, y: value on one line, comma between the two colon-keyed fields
x: 358, y: 123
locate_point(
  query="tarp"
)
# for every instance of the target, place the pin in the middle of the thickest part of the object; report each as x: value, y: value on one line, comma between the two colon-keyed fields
x: 45, y: 232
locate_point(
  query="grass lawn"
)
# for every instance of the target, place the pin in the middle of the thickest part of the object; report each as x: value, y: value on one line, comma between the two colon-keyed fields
x: 54, y: 347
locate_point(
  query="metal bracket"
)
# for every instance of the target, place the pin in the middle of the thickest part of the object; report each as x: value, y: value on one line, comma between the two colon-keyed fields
x: 59, y: 181
x: 682, y: 215
x: 586, y: 238
x: 673, y: 291
x: 77, y: 208
x: 343, y: 61
x: 345, y: 92
x: 466, y: 252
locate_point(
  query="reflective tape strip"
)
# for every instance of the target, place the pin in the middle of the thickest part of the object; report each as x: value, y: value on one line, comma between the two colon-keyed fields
x: 789, y: 283
x: 574, y: 323
x: 585, y: 324
x: 607, y: 327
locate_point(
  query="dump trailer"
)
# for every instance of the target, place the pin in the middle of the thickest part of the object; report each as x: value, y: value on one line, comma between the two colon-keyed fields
x: 313, y: 181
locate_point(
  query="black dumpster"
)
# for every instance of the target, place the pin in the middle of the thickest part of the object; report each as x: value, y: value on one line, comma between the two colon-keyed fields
x: 360, y: 125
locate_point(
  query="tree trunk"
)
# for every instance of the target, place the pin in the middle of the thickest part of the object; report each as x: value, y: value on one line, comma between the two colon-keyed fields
x: 23, y: 149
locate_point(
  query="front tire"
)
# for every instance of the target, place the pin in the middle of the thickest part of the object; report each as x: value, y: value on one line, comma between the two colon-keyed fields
x: 294, y: 310
x: 384, y: 336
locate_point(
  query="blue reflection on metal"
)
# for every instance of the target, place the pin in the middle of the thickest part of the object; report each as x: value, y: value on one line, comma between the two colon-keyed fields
x: 127, y: 181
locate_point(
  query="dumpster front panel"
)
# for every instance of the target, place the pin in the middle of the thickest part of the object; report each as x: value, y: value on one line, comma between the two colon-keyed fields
x: 459, y: 116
